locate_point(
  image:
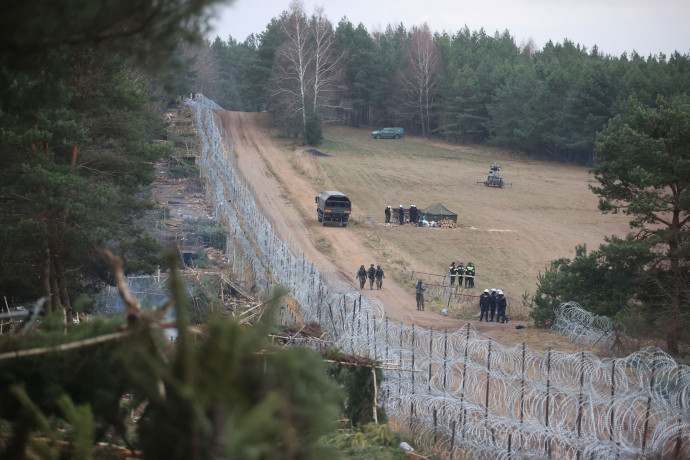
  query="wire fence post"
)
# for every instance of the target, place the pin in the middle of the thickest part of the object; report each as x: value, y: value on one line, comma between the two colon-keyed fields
x: 488, y: 383
x: 435, y: 427
x: 368, y: 345
x: 452, y: 440
x: 431, y: 340
x: 413, y: 373
x: 445, y: 360
x: 547, y: 441
x: 613, y: 397
x: 522, y: 394
x: 676, y: 449
x: 464, y: 383
x: 579, y: 404
x: 649, y: 404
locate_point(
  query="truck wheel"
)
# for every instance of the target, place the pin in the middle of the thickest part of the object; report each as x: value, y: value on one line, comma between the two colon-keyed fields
x: 344, y: 224
x: 397, y: 136
x: 320, y: 218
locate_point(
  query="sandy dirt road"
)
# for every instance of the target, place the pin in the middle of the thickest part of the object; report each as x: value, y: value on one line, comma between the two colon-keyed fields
x: 288, y: 198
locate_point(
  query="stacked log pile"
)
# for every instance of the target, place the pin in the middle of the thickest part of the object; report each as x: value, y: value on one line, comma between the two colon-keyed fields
x: 447, y: 223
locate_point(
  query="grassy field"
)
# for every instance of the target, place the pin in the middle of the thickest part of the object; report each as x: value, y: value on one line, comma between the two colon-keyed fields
x: 510, y: 234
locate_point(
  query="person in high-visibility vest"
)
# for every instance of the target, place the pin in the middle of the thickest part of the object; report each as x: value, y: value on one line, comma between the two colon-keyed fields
x: 460, y: 271
x: 469, y: 275
x: 452, y: 273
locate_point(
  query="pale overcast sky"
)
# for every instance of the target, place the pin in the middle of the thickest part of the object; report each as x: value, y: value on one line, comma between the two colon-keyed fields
x: 615, y: 26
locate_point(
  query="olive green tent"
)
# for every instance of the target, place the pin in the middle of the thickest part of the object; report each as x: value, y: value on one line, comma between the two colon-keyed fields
x: 438, y: 212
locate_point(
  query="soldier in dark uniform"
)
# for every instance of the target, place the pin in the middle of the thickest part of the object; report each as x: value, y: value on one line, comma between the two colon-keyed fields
x: 419, y: 290
x: 460, y: 272
x: 371, y: 273
x: 501, y: 305
x: 401, y: 215
x: 388, y: 214
x: 452, y: 273
x: 379, y: 277
x: 469, y: 275
x: 484, y: 305
x: 413, y: 214
x: 494, y: 297
x: 362, y: 275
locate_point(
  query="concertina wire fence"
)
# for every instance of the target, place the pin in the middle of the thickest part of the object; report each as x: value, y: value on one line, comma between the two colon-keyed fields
x: 459, y: 390
x: 587, y: 328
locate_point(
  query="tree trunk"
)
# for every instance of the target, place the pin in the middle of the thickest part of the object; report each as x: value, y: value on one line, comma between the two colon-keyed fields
x: 56, y: 304
x: 46, y: 278
x: 64, y: 294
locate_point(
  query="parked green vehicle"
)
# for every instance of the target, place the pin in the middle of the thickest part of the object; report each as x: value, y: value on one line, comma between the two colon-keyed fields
x: 388, y: 133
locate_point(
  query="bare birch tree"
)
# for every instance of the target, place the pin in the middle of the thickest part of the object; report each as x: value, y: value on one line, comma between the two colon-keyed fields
x: 205, y: 66
x: 422, y: 75
x: 292, y: 62
x: 326, y: 65
x: 305, y: 71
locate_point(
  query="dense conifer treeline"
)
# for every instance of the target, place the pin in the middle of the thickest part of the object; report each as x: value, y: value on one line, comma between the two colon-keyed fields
x: 468, y: 86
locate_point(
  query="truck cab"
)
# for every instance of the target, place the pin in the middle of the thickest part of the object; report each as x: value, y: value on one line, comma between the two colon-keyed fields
x: 333, y: 206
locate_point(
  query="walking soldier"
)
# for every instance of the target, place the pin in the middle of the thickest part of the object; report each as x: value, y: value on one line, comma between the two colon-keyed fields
x: 362, y: 275
x: 379, y: 277
x: 371, y: 273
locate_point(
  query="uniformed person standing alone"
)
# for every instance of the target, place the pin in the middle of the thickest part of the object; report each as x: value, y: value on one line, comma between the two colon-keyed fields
x: 420, y: 295
x: 371, y: 273
x: 379, y: 277
x: 362, y: 275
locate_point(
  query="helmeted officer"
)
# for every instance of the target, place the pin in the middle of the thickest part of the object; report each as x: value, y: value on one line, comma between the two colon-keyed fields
x: 494, y: 297
x: 501, y: 304
x: 371, y: 273
x: 362, y: 275
x: 452, y: 273
x: 379, y: 277
x: 485, y: 305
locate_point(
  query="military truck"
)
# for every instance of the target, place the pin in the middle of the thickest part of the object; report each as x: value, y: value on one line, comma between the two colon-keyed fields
x: 333, y: 206
x: 388, y: 133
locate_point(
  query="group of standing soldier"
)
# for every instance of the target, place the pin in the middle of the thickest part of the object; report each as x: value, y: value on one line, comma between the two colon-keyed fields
x: 460, y: 271
x: 494, y: 303
x: 413, y: 213
x: 374, y: 274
